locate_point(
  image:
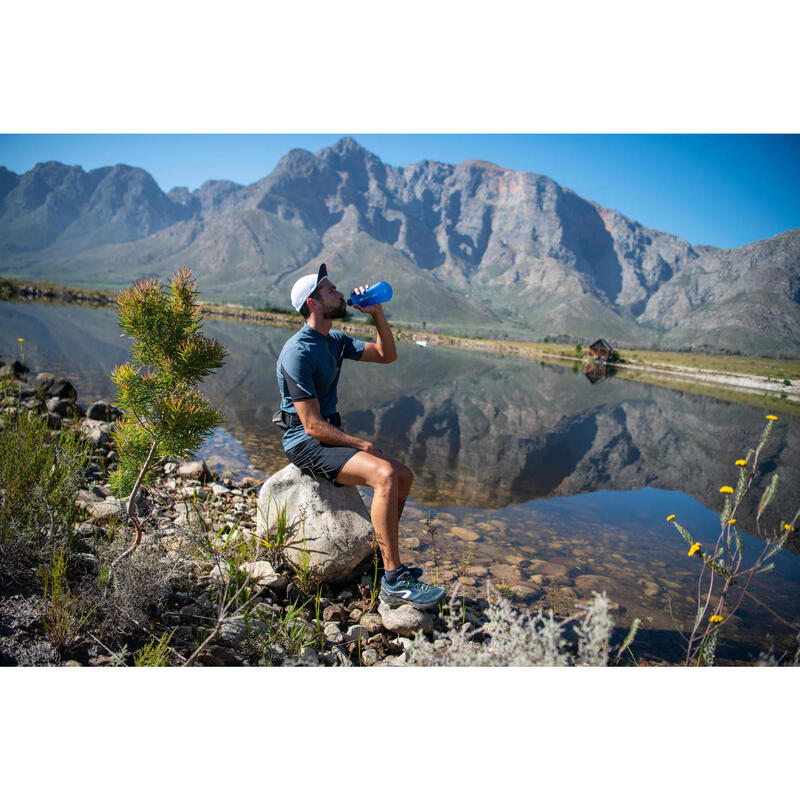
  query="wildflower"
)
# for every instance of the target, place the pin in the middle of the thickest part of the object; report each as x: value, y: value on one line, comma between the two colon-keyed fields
x: 715, y: 618
x: 20, y: 340
x: 693, y: 549
x: 731, y: 521
x: 787, y: 527
x: 726, y: 489
x: 772, y: 418
x: 740, y: 462
x: 670, y: 518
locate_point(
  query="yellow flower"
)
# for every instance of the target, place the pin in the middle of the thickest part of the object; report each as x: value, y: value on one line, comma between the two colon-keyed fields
x: 787, y: 527
x: 20, y: 340
x: 670, y: 518
x: 731, y: 521
x: 740, y: 462
x: 772, y: 418
x: 715, y: 618
x: 726, y: 490
x: 694, y: 548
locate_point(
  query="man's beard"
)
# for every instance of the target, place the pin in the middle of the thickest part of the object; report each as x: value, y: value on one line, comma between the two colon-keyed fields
x: 340, y: 312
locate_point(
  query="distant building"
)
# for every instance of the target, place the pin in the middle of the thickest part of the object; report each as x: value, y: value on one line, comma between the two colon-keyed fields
x: 601, y: 349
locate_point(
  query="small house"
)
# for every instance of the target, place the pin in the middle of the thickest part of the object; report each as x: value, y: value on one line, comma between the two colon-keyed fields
x: 600, y: 349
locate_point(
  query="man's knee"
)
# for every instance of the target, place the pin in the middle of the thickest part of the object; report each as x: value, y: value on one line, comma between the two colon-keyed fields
x: 387, y: 474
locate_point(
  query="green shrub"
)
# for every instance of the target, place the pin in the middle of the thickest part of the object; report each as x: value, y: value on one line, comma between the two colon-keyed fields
x: 63, y: 615
x: 40, y: 474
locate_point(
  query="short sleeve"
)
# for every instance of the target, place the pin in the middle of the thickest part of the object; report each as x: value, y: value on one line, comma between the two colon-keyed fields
x: 352, y: 348
x: 298, y: 372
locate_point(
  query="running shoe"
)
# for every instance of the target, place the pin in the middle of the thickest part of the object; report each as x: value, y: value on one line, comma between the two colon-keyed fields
x: 406, y: 590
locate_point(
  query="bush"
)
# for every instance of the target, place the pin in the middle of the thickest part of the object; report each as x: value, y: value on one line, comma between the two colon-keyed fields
x: 40, y: 474
x: 522, y: 640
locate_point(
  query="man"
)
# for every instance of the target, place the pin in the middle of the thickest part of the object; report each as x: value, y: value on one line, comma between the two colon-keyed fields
x: 308, y: 374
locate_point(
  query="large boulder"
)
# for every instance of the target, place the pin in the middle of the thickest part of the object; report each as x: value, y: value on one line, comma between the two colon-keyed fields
x: 328, y: 528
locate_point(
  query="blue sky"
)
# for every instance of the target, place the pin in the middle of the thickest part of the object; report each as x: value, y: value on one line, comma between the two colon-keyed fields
x: 724, y: 190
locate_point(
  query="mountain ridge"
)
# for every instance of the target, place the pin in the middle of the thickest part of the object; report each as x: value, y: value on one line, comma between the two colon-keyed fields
x: 473, y: 244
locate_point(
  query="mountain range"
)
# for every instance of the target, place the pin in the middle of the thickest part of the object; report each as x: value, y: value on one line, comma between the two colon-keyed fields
x: 470, y: 248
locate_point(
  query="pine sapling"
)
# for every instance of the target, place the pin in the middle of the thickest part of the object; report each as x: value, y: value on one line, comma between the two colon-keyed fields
x: 165, y: 417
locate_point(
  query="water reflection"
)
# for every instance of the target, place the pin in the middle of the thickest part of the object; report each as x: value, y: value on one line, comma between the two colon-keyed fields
x: 483, y: 431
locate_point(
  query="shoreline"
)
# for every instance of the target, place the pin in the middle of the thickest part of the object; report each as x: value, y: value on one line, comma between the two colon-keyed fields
x: 656, y: 372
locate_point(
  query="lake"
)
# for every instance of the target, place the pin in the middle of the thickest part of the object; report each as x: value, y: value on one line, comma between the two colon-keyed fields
x: 526, y: 472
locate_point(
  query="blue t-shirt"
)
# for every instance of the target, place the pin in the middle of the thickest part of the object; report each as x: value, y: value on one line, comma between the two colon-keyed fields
x: 309, y: 366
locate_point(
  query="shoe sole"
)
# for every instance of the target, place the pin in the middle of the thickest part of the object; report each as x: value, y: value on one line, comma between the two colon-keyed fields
x: 396, y: 602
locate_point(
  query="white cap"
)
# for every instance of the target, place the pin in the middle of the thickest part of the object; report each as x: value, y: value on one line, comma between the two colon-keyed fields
x: 306, y: 286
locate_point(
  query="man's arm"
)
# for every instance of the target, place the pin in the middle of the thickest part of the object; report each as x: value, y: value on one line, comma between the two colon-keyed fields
x: 383, y: 350
x: 316, y: 426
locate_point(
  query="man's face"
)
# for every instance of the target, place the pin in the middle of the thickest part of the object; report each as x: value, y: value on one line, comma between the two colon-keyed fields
x: 331, y: 300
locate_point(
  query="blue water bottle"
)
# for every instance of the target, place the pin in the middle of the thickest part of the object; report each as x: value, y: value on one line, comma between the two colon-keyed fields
x: 379, y: 293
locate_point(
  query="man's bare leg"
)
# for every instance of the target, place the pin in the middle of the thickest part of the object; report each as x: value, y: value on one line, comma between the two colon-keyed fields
x: 405, y: 477
x: 382, y: 474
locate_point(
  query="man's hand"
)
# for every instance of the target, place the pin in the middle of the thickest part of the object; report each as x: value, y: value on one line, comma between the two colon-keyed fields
x: 366, y: 309
x: 318, y: 427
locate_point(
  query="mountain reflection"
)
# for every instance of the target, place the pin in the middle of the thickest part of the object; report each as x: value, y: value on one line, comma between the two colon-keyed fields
x: 478, y: 430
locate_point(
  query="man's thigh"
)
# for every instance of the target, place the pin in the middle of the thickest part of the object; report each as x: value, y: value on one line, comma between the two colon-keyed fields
x: 363, y: 469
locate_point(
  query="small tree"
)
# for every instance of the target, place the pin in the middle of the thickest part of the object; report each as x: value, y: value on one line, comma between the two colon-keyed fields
x: 166, y: 416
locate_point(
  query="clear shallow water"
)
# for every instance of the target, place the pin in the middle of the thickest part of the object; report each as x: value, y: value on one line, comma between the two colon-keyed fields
x: 516, y: 462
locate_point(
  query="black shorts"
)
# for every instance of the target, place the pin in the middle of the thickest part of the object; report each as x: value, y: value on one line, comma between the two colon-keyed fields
x: 320, y: 460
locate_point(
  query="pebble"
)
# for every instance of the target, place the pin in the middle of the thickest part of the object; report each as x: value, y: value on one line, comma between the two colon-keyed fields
x: 464, y: 533
x: 369, y: 657
x: 405, y: 620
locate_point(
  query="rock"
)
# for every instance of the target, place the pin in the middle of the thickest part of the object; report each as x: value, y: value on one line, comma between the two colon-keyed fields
x: 328, y: 526
x: 464, y: 533
x: 356, y: 633
x: 85, y: 530
x: 525, y: 592
x: 197, y: 470
x: 372, y: 622
x: 393, y: 661
x: 237, y: 629
x: 506, y: 572
x: 309, y: 657
x: 405, y: 620
x: 335, y: 611
x: 223, y: 656
x: 218, y: 489
x: 193, y: 613
x: 548, y: 569
x: 64, y: 408
x: 49, y: 385
x: 650, y: 588
x: 98, y: 433
x: 369, y: 657
x: 594, y: 583
x: 15, y: 369
x: 99, y: 508
x: 264, y: 575
x: 103, y: 411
